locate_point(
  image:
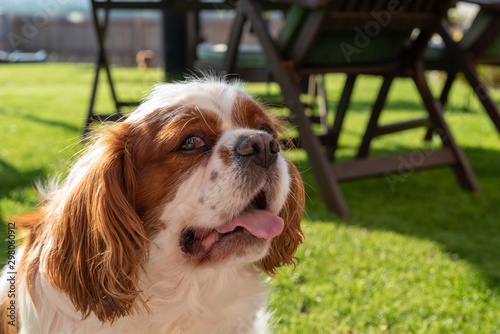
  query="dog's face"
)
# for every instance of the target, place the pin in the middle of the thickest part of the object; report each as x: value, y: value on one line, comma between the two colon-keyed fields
x: 195, y: 177
x: 212, y: 179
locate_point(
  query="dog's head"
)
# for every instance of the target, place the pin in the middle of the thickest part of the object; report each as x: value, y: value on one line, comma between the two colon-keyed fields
x: 197, y: 172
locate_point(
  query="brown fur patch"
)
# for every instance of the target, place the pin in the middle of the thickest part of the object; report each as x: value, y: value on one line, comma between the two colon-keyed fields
x: 214, y: 176
x: 161, y: 167
x: 251, y: 114
x: 283, y: 247
x: 225, y: 155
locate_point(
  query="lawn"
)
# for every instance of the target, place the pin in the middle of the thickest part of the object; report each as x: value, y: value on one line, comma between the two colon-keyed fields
x: 420, y: 255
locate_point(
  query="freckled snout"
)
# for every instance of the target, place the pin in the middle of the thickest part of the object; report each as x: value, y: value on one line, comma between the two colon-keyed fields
x: 261, y: 149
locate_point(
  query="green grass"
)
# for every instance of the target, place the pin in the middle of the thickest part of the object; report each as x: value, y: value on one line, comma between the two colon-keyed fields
x: 420, y: 255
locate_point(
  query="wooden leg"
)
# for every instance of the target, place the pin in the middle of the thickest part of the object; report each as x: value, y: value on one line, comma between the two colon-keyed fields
x: 229, y: 61
x: 450, y: 77
x: 461, y: 167
x: 447, y: 87
x: 371, y: 129
x: 101, y: 35
x: 482, y: 94
x: 322, y: 104
x: 316, y: 88
x: 102, y: 63
x: 311, y: 91
x: 334, y: 133
x: 90, y: 112
x: 310, y: 88
x: 466, y: 65
x: 286, y: 77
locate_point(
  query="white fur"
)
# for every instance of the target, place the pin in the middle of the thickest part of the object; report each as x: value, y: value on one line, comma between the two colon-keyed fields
x: 201, y: 301
x: 218, y: 96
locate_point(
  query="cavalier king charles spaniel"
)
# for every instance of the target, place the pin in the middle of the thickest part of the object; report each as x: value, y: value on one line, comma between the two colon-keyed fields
x: 165, y: 224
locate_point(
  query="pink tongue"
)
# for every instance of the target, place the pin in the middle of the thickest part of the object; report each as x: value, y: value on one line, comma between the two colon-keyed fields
x: 260, y: 223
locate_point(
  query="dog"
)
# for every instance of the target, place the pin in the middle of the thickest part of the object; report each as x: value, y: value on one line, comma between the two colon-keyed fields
x: 145, y: 59
x: 167, y: 223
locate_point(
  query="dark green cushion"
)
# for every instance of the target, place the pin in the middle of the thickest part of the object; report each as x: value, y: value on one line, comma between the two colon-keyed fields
x: 339, y: 48
x: 435, y: 52
x: 295, y: 18
x: 252, y: 55
x: 248, y: 55
x: 477, y: 28
x: 346, y: 48
x: 493, y: 51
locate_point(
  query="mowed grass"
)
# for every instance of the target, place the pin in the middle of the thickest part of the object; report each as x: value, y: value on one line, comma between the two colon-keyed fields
x: 420, y: 255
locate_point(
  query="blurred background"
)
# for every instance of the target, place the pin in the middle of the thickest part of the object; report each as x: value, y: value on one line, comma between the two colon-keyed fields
x: 418, y: 255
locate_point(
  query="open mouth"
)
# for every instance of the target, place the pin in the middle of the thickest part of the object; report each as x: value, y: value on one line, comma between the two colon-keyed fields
x: 254, y: 222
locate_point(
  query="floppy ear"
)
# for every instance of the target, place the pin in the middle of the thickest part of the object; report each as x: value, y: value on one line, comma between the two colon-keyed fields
x: 284, y: 246
x: 97, y: 243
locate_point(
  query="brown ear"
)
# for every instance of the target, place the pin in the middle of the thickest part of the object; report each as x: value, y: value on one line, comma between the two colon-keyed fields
x: 283, y: 247
x: 98, y: 242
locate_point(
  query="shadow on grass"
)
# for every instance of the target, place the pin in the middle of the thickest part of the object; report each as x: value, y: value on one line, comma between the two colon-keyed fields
x: 51, y: 122
x: 354, y: 105
x: 13, y: 184
x: 357, y: 106
x: 12, y: 178
x: 400, y: 105
x: 391, y: 105
x: 429, y: 205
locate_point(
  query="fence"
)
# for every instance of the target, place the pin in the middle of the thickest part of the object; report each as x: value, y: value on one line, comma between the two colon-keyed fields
x: 72, y: 38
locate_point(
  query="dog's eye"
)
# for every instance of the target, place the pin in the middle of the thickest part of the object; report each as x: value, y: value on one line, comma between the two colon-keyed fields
x: 192, y: 143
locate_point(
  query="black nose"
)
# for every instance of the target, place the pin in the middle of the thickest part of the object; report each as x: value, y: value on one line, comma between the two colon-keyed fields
x: 262, y: 149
